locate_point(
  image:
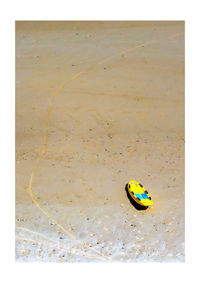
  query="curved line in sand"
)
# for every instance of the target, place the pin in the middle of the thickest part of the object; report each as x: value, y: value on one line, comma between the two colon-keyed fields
x: 45, y: 144
x: 71, y: 251
x: 49, y: 239
x: 36, y: 233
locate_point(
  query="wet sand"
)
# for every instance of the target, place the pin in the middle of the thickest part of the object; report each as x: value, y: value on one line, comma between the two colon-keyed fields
x: 99, y: 104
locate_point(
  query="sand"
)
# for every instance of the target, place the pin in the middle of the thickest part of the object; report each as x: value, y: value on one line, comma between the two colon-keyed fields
x: 99, y: 104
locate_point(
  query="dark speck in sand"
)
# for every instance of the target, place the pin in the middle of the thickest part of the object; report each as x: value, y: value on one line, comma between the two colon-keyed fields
x: 20, y: 219
x: 133, y: 225
x: 137, y: 140
x: 61, y: 238
x: 73, y: 65
x: 104, y: 68
x: 90, y: 129
x: 88, y: 218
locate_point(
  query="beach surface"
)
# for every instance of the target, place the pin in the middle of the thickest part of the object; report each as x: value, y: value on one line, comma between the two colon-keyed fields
x: 97, y: 105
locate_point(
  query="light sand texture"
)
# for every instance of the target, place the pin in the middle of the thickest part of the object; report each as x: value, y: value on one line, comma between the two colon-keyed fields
x: 99, y: 104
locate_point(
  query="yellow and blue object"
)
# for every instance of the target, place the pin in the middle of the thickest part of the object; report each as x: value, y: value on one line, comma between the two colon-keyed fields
x: 139, y: 193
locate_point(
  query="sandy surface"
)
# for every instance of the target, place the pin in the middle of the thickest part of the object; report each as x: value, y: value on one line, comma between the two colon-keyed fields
x: 99, y: 104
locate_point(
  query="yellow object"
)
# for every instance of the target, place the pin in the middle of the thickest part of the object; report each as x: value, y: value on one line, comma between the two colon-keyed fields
x: 139, y: 193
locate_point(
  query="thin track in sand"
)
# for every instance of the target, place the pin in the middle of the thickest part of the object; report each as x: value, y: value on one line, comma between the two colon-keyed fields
x: 71, y: 251
x: 45, y: 145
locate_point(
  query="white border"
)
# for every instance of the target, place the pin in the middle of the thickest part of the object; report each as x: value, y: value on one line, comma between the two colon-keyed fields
x: 96, y: 10
x: 99, y: 10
